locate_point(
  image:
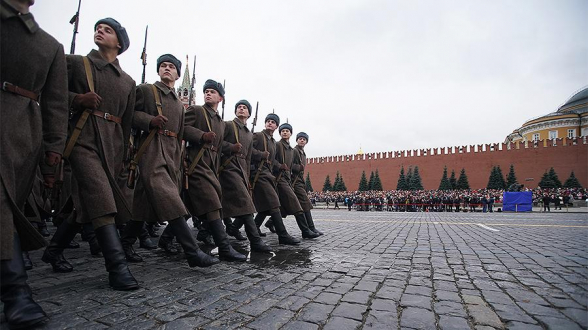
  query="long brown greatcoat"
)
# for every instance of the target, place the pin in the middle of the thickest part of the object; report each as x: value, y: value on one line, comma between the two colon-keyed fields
x: 234, y: 177
x: 265, y: 196
x: 97, y: 158
x: 288, y: 200
x: 204, y: 189
x: 298, y: 183
x: 157, y: 196
x: 33, y: 60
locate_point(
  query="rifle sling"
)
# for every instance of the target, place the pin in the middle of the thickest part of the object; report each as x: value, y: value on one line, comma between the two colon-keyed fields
x: 84, y: 116
x: 204, y: 147
x: 260, y: 163
x: 152, y: 132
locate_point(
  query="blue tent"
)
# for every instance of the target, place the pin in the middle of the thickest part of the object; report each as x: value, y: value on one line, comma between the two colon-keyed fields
x: 517, y: 201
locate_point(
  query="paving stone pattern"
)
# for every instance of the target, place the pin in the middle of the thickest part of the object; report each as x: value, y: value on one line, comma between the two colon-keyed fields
x: 372, y: 270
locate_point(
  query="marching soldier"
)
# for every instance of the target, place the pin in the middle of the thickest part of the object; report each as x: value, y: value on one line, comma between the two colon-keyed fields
x: 298, y: 183
x: 204, y: 131
x: 102, y: 98
x: 265, y: 196
x: 33, y: 108
x: 159, y: 111
x: 288, y: 199
x: 234, y: 176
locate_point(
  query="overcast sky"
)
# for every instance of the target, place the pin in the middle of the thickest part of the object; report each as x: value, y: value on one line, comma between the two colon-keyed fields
x: 384, y: 75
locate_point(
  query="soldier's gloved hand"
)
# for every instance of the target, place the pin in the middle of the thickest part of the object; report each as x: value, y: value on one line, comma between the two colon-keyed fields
x: 265, y: 155
x: 208, y: 137
x: 236, y: 148
x: 49, y: 180
x: 283, y: 167
x: 158, y: 121
x: 89, y: 100
x: 52, y: 158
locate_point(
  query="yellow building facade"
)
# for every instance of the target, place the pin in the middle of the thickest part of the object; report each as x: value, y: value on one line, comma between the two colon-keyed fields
x: 569, y: 121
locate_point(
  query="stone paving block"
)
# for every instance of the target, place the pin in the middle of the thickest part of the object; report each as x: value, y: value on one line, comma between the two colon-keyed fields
x: 338, y: 323
x: 558, y: 323
x: 453, y: 323
x: 272, y: 319
x: 338, y: 287
x: 293, y: 303
x: 580, y: 316
x: 449, y: 308
x: 417, y: 318
x: 447, y: 295
x: 445, y: 285
x: 512, y: 312
x: 350, y: 311
x: 416, y: 301
x: 483, y: 315
x: 328, y: 298
x: 300, y: 325
x: 541, y: 310
x: 257, y: 306
x: 228, y: 321
x: 514, y: 325
x: 315, y: 313
x: 419, y: 290
x: 377, y: 319
x: 383, y: 305
x: 189, y: 322
x: 367, y: 286
x: 359, y: 297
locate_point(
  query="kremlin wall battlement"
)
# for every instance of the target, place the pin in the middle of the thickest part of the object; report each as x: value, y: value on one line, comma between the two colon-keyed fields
x: 530, y: 160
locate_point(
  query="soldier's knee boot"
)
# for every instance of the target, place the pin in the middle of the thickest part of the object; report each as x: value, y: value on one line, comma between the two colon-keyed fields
x: 128, y: 238
x: 259, y: 217
x: 194, y: 255
x: 310, y: 222
x: 20, y: 310
x: 232, y: 230
x: 54, y: 252
x: 283, y: 236
x: 303, y: 225
x: 90, y: 236
x: 225, y: 250
x: 256, y: 243
x: 145, y: 241
x: 166, y: 241
x: 119, y: 275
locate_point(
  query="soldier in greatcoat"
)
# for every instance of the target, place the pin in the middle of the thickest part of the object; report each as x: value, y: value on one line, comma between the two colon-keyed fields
x: 98, y: 155
x: 288, y: 201
x: 157, y: 194
x: 265, y: 196
x: 234, y: 176
x: 298, y: 183
x: 204, y: 130
x: 33, y: 119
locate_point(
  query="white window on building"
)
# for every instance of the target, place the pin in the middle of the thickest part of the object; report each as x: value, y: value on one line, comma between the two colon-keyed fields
x: 536, y: 137
x: 552, y: 135
x: 571, y: 133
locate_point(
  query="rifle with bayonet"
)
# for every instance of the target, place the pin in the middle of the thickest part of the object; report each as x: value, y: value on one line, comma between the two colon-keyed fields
x: 223, y: 114
x: 255, y: 118
x: 144, y: 55
x: 75, y: 20
x: 192, y: 91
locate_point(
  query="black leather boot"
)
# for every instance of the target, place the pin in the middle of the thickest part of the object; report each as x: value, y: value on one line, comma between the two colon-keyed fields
x: 166, y: 241
x: 255, y: 241
x: 152, y: 230
x: 129, y: 237
x: 204, y: 235
x: 308, y: 217
x: 90, y: 236
x: 119, y: 275
x: 258, y: 222
x: 54, y: 252
x: 193, y: 254
x: 270, y: 225
x: 302, y: 224
x: 232, y: 231
x: 20, y: 310
x: 283, y: 236
x: 26, y: 259
x: 145, y: 241
x: 225, y: 250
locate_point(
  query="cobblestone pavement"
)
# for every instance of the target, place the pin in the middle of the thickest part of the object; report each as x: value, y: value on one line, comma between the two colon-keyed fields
x: 372, y: 270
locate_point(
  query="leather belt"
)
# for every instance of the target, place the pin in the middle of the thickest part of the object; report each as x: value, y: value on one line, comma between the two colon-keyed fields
x: 167, y: 133
x: 8, y: 87
x: 107, y: 116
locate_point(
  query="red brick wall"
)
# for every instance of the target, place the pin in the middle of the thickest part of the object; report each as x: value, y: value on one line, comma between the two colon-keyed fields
x: 530, y: 163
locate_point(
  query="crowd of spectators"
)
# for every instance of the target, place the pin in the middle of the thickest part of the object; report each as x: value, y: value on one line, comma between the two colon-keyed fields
x: 440, y: 200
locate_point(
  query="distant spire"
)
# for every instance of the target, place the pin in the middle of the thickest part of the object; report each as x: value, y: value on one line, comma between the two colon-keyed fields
x: 360, y: 152
x: 186, y: 80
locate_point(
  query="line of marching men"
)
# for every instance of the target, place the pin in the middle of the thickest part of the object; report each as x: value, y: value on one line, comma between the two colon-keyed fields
x: 79, y: 111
